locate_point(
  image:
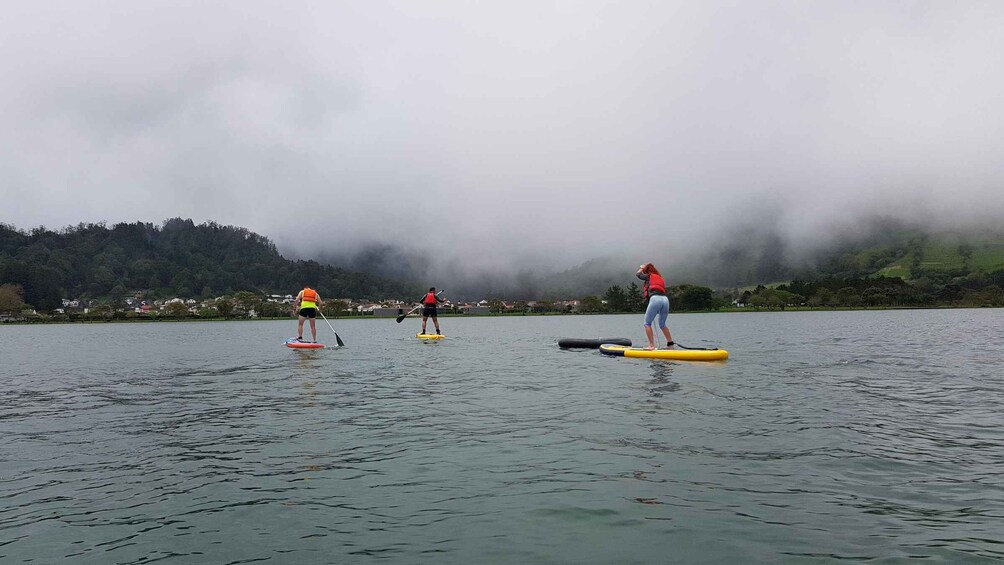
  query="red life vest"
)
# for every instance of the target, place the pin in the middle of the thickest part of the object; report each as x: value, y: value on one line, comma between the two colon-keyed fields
x: 430, y: 299
x: 655, y: 283
x: 309, y: 295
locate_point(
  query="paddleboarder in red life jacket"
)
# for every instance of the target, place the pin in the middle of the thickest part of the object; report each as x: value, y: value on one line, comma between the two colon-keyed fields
x: 654, y: 290
x: 429, y: 302
x: 306, y: 305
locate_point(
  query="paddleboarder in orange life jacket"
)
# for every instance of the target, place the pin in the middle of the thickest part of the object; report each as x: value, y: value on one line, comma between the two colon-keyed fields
x: 306, y: 305
x: 429, y: 302
x: 654, y: 290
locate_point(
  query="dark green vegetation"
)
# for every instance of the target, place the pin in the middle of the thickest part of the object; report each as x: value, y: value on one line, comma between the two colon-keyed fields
x: 881, y: 263
x: 830, y: 292
x: 179, y: 258
x: 981, y: 290
x: 875, y: 248
x: 685, y: 297
x: 616, y: 299
x: 889, y: 264
x: 746, y: 256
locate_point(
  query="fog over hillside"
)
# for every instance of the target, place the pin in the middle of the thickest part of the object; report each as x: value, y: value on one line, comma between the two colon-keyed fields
x: 483, y: 144
x: 750, y: 250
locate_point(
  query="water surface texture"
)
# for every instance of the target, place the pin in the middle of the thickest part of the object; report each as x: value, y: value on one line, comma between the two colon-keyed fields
x: 828, y: 436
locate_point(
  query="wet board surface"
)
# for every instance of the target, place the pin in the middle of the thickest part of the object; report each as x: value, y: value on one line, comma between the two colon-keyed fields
x: 291, y: 342
x: 678, y: 354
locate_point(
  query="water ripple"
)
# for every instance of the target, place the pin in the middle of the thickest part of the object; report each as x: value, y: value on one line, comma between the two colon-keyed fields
x: 871, y: 436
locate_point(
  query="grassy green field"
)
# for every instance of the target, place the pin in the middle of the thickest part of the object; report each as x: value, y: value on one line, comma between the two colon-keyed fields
x: 944, y: 254
x: 989, y: 257
x: 895, y: 270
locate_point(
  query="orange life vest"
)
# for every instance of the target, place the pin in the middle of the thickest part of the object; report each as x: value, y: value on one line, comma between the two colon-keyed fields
x: 430, y: 299
x: 309, y: 295
x: 654, y: 283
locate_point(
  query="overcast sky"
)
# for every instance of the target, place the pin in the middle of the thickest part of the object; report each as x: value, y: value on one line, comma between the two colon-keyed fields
x: 498, y: 131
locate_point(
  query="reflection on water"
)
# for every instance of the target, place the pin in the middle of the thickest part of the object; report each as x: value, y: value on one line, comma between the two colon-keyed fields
x: 661, y: 382
x: 851, y: 436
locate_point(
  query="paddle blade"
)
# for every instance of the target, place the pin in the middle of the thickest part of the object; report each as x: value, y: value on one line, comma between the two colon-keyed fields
x: 337, y: 339
x: 401, y: 318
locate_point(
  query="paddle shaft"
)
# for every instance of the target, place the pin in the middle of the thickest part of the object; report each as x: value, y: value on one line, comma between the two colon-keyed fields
x: 338, y: 340
x: 403, y: 316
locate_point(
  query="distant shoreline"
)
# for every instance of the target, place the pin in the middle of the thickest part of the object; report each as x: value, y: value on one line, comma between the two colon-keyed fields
x: 505, y: 315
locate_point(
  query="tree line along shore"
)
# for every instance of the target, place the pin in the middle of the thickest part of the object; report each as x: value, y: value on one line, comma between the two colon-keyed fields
x: 180, y: 270
x: 865, y: 293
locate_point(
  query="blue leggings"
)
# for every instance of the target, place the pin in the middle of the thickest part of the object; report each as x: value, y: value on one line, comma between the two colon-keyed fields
x: 657, y: 304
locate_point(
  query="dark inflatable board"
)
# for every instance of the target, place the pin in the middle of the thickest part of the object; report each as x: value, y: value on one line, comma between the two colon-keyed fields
x: 588, y: 343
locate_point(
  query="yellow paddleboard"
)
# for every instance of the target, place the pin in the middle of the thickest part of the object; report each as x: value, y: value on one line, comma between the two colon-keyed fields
x: 679, y: 354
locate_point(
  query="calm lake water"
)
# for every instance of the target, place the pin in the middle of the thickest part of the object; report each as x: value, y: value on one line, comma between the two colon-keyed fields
x: 859, y: 436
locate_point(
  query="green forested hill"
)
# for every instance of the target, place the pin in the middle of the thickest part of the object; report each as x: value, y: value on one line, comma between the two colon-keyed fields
x: 879, y: 248
x: 178, y: 258
x: 922, y: 258
x: 948, y: 255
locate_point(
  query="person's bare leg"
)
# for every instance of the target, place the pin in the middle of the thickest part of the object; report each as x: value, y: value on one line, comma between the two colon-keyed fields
x: 669, y: 336
x: 299, y: 327
x: 425, y: 320
x: 651, y: 337
x: 313, y: 329
x: 435, y: 320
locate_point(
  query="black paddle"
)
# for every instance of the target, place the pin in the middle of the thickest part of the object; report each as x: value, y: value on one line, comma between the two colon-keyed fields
x: 403, y: 316
x: 338, y: 340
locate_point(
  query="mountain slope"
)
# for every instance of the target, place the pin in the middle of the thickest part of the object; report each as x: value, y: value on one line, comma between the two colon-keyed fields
x: 178, y: 258
x: 877, y: 247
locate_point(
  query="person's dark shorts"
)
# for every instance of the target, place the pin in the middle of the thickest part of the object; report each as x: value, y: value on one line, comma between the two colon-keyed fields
x: 308, y: 312
x: 429, y: 311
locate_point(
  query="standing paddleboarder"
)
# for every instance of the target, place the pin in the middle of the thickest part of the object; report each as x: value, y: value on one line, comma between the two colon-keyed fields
x: 306, y: 305
x: 654, y: 290
x: 429, y: 302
